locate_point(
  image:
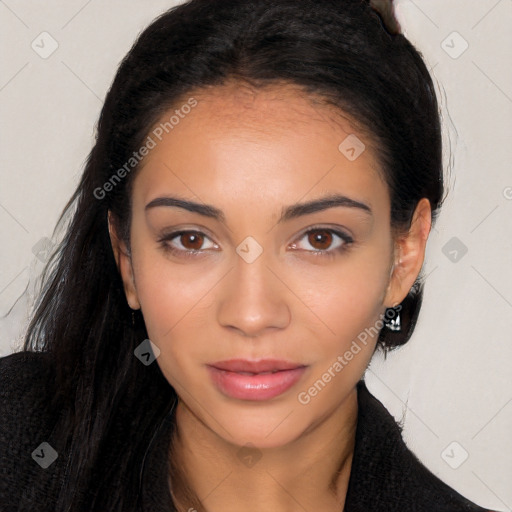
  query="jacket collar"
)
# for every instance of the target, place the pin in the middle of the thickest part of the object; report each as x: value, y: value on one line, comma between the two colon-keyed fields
x: 380, y: 456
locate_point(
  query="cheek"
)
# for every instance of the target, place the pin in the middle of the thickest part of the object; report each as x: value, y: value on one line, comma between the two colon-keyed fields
x: 169, y: 294
x: 173, y: 302
x: 346, y: 298
x: 349, y: 304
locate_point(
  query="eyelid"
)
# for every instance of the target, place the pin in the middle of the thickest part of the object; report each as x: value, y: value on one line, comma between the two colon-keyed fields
x: 334, y: 228
x: 170, y: 232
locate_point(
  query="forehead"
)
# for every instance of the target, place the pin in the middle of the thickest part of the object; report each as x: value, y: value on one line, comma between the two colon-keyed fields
x: 272, y: 143
x: 277, y: 106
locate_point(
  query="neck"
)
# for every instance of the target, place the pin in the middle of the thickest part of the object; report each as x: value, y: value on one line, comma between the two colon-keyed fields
x: 311, y: 472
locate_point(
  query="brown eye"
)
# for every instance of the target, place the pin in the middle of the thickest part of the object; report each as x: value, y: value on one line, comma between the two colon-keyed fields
x: 187, y: 243
x: 320, y: 239
x: 192, y: 241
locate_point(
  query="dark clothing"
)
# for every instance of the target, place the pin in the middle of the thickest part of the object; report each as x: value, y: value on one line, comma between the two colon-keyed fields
x: 385, y: 476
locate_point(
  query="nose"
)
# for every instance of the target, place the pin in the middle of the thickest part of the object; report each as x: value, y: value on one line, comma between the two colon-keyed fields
x: 253, y: 300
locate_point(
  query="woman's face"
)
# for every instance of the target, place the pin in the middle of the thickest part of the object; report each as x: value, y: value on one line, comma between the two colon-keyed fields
x: 257, y: 267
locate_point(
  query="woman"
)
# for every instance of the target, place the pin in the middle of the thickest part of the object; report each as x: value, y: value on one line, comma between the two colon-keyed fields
x: 249, y: 229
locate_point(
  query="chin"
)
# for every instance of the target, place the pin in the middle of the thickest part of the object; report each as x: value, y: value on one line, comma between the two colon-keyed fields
x: 262, y: 428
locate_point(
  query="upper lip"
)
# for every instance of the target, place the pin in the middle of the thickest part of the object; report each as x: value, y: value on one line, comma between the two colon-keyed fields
x: 264, y: 365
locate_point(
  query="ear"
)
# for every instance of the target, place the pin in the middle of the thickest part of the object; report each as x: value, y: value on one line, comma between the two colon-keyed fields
x: 409, y: 254
x: 124, y: 263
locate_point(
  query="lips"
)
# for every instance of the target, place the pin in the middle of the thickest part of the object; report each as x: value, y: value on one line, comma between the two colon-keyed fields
x: 255, y: 380
x: 265, y: 366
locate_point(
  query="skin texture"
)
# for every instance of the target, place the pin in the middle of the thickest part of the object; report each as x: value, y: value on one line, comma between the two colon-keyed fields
x: 250, y: 154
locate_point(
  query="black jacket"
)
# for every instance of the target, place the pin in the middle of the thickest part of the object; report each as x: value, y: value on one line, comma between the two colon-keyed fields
x: 385, y: 477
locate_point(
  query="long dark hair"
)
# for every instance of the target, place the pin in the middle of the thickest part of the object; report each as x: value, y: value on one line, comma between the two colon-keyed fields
x: 344, y: 51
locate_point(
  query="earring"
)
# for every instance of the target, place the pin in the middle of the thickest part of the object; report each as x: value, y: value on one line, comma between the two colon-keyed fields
x: 392, y: 321
x: 133, y: 318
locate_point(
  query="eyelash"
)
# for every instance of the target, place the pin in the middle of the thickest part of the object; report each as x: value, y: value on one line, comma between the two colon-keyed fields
x: 346, y: 239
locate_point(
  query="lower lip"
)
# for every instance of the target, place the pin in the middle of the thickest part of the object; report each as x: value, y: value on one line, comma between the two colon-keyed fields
x: 255, y: 387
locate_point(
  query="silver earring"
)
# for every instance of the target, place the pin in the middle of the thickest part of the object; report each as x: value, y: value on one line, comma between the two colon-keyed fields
x: 393, y: 323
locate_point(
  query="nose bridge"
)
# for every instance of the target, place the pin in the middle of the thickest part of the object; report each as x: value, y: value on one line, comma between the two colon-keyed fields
x: 253, y: 299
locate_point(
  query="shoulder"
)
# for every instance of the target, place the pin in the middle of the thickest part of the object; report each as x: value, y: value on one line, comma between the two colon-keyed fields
x: 387, y: 475
x: 25, y: 379
x: 26, y: 423
x: 17, y: 367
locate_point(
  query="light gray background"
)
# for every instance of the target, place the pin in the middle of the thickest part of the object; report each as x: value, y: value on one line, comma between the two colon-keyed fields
x: 452, y: 383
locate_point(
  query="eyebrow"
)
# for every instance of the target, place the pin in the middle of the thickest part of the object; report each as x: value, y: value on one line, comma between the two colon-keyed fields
x: 289, y: 212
